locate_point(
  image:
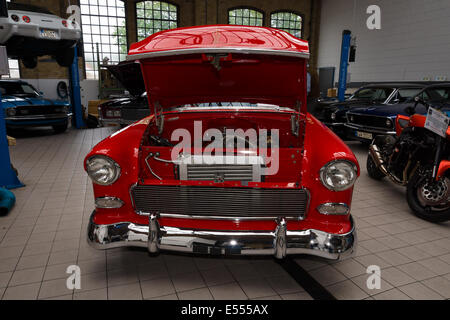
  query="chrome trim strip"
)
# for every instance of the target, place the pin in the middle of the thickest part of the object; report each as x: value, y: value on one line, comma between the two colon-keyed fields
x: 130, y: 192
x: 38, y: 117
x: 369, y: 129
x: 194, y: 217
x: 366, y: 115
x: 176, y: 52
x: 279, y: 242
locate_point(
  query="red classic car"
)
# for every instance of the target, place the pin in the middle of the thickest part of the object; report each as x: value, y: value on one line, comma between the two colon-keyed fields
x: 229, y: 161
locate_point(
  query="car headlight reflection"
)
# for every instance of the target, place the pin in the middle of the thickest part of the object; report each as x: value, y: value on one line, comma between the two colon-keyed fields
x: 11, y: 112
x: 333, y: 116
x: 338, y: 175
x: 102, y: 170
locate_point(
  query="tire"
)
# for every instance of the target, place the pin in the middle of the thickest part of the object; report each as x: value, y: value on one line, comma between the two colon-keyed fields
x: 65, y: 57
x: 373, y: 170
x: 29, y: 62
x: 60, y: 128
x: 424, y: 212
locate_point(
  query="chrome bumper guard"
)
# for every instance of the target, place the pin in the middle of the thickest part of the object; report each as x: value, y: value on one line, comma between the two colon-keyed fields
x: 279, y: 242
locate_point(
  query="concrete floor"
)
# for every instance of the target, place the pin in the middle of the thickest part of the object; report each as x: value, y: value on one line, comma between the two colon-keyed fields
x: 45, y: 233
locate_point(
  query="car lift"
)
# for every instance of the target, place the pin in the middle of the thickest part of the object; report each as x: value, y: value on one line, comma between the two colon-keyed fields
x: 75, y: 95
x: 8, y: 178
x: 345, y: 50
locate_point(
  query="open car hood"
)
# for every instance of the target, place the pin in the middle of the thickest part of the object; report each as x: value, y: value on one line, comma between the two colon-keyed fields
x: 129, y: 75
x: 223, y: 63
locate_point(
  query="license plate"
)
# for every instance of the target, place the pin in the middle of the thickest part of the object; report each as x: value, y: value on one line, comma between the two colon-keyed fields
x: 49, y: 34
x: 364, y: 135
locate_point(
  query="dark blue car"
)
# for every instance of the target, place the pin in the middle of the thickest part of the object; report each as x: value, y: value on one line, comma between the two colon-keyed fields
x: 364, y: 123
x: 380, y: 94
x: 24, y: 106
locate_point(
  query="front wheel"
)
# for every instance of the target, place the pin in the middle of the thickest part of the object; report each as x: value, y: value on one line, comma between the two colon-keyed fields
x: 429, y: 200
x: 65, y: 57
x: 60, y: 128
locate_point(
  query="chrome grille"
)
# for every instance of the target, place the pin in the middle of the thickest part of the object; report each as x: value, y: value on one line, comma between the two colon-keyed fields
x: 220, y: 172
x: 218, y: 201
x: 221, y: 168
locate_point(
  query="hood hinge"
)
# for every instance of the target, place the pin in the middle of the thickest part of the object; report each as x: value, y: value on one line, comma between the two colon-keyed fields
x: 159, y: 117
x: 295, y: 119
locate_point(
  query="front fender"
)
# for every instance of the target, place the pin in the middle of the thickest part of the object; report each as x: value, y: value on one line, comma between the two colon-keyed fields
x: 443, y: 167
x: 123, y: 147
x: 322, y: 146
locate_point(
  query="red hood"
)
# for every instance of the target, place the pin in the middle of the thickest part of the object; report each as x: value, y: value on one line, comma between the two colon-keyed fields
x: 223, y: 63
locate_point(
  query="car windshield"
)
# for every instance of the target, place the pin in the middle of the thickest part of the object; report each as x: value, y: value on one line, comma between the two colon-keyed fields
x: 18, y: 89
x: 436, y: 95
x: 372, y: 94
x: 404, y: 94
x: 27, y: 7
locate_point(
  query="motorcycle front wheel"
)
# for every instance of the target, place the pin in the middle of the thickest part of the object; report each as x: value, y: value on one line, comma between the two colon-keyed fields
x: 429, y: 201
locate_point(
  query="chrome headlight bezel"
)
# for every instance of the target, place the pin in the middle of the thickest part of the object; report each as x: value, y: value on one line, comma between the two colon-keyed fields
x: 389, y: 123
x: 11, y: 112
x: 333, y: 116
x: 110, y: 163
x: 324, y: 172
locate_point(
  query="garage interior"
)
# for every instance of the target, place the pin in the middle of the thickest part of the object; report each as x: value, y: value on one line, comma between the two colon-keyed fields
x: 45, y: 231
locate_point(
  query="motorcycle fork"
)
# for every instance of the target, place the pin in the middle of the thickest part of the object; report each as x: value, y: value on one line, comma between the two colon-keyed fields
x: 437, y: 158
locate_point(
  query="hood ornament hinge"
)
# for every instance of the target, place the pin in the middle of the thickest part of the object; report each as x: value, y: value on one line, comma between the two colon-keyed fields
x: 159, y: 117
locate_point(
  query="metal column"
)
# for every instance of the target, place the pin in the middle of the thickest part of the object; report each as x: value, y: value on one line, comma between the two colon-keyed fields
x: 75, y: 92
x: 8, y: 178
x: 345, y: 50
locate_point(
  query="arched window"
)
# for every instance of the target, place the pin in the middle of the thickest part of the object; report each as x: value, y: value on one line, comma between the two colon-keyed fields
x: 103, y: 23
x: 245, y: 16
x: 154, y: 16
x: 287, y: 21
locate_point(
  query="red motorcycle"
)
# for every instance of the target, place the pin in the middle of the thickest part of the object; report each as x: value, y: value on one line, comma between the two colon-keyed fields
x: 419, y: 159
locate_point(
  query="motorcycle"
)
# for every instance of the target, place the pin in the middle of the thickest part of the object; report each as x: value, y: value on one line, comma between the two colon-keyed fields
x: 417, y: 158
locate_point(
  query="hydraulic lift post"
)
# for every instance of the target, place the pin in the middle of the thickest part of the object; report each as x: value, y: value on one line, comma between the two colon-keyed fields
x: 8, y: 178
x: 345, y: 50
x: 75, y: 95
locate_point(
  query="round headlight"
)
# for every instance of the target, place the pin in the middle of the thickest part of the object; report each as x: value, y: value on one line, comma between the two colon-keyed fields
x: 338, y: 175
x: 11, y: 112
x: 102, y: 170
x: 388, y: 123
x: 333, y: 116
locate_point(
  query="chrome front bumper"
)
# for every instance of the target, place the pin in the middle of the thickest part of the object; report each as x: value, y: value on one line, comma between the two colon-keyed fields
x: 279, y: 242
